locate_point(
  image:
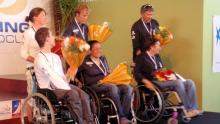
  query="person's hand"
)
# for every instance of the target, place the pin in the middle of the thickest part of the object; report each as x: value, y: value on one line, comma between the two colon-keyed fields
x: 171, y: 77
x: 78, y: 83
x: 109, y: 71
x: 138, y: 52
x: 30, y: 59
x: 148, y: 84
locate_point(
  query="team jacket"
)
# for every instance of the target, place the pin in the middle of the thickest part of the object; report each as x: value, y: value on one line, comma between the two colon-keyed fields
x: 140, y: 36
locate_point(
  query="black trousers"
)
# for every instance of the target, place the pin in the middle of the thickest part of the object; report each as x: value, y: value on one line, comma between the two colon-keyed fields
x: 79, y: 102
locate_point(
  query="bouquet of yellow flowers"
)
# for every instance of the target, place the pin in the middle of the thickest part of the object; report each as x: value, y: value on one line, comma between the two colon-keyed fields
x: 118, y: 76
x: 99, y: 33
x: 74, y: 51
x: 163, y: 35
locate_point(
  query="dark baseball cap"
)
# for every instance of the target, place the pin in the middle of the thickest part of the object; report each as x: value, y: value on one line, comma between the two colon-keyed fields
x: 146, y: 7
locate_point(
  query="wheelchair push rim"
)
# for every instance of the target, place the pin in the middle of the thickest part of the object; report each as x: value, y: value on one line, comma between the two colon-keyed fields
x: 42, y: 113
x: 150, y: 111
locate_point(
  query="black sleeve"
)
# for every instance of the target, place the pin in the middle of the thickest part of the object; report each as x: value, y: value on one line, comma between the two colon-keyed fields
x: 156, y: 24
x: 68, y: 31
x: 135, y: 36
x: 158, y: 58
x: 87, y: 33
x: 138, y: 69
x: 79, y: 74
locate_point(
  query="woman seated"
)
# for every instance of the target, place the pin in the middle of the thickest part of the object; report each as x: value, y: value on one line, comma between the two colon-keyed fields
x: 149, y: 62
x: 94, y: 69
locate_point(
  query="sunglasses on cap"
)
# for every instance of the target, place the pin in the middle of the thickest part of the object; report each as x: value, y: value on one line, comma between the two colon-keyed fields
x: 146, y: 7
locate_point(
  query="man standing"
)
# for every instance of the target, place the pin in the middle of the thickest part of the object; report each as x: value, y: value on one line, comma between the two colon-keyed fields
x: 78, y: 27
x: 49, y: 73
x: 142, y: 30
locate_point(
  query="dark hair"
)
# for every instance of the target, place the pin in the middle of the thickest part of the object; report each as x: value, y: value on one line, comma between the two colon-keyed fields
x: 92, y: 42
x: 41, y: 36
x: 146, y: 7
x: 149, y: 43
x: 79, y: 8
x: 33, y: 13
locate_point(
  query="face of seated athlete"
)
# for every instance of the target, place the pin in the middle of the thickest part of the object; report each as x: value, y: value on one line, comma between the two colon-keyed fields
x: 155, y: 48
x: 96, y: 50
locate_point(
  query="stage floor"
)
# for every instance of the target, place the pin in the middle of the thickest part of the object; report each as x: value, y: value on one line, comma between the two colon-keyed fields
x: 206, y: 118
x: 14, y: 76
x: 13, y: 87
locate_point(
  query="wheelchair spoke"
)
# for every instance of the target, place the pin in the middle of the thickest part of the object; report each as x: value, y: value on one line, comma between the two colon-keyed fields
x: 41, y: 109
x: 151, y: 106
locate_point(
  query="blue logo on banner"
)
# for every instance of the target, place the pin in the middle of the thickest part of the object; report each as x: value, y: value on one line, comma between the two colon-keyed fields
x: 217, y: 35
x: 15, y: 105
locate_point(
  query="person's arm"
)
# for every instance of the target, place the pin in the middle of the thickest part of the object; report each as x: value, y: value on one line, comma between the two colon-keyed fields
x: 138, y: 73
x: 89, y: 75
x: 68, y: 31
x: 24, y: 48
x: 137, y: 69
x: 54, y: 77
x: 135, y: 36
x: 156, y: 24
x: 60, y: 68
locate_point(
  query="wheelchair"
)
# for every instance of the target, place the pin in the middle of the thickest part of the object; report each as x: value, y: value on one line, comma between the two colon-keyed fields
x: 151, y: 106
x: 46, y: 108
x: 106, y: 109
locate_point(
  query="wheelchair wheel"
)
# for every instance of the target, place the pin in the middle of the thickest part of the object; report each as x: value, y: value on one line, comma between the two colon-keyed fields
x: 148, y: 106
x: 109, y: 111
x: 42, y: 110
x: 94, y: 100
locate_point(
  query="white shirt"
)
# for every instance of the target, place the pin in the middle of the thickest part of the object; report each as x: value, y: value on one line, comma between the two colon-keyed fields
x: 30, y: 46
x: 49, y: 71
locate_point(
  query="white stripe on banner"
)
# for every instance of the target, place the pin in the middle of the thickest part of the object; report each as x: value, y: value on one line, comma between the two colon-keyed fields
x: 12, y: 25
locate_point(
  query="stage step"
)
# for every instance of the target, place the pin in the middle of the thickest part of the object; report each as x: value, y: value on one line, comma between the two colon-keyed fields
x: 12, y: 94
x: 10, y: 109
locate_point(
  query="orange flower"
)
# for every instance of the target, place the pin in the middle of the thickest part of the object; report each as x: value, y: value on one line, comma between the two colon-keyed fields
x: 72, y: 40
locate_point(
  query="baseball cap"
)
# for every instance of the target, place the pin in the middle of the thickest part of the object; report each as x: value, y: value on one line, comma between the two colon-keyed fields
x: 146, y: 7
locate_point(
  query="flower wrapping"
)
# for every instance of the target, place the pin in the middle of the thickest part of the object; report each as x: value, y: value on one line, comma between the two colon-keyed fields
x: 118, y: 76
x: 164, y: 75
x: 74, y: 51
x: 163, y: 35
x: 99, y: 32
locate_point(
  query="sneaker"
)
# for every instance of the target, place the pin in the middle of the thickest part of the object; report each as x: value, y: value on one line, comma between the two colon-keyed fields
x: 199, y: 112
x: 194, y: 113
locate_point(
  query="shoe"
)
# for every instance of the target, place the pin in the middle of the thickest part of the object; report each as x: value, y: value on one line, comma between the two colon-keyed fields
x: 124, y: 120
x: 194, y: 113
x: 199, y: 112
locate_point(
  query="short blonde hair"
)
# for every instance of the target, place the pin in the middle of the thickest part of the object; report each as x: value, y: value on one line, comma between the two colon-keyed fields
x: 81, y: 7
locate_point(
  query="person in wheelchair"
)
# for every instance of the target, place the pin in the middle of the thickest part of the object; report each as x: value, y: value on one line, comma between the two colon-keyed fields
x: 49, y: 74
x: 94, y: 69
x: 145, y: 66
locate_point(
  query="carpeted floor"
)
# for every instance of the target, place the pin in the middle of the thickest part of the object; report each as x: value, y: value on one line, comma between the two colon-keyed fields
x: 207, y: 118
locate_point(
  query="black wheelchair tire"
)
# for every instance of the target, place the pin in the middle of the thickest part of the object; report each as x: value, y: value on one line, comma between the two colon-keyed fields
x: 158, y: 117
